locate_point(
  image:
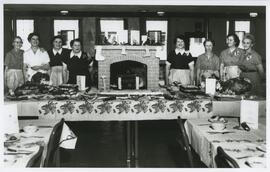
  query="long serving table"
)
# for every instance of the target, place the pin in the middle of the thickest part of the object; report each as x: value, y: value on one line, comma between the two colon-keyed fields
x: 129, y: 110
x: 245, y: 147
x: 29, y: 143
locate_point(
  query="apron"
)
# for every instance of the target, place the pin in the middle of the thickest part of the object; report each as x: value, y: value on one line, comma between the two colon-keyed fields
x: 208, y: 74
x: 180, y: 75
x: 14, y: 78
x: 231, y: 72
x: 58, y: 75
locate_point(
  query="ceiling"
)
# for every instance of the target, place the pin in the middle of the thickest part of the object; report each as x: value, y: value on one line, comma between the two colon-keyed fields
x: 134, y: 8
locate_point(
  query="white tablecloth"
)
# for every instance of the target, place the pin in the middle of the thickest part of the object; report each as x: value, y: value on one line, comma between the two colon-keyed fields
x: 44, y: 132
x: 238, y: 144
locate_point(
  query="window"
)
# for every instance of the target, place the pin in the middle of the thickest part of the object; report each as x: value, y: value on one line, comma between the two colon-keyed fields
x: 112, y: 31
x: 158, y: 25
x: 23, y: 29
x: 240, y: 28
x: 68, y: 29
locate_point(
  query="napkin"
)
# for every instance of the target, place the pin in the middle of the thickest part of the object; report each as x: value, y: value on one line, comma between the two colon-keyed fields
x: 68, y: 139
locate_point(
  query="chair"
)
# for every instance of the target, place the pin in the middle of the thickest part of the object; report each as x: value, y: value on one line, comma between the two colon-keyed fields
x: 223, y: 160
x: 183, y: 141
x: 36, y: 159
x: 52, y: 157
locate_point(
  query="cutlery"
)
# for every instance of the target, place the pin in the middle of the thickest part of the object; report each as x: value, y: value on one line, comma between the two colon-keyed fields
x: 248, y: 164
x: 44, y: 126
x: 203, y: 124
x: 243, y: 157
x: 32, y: 136
x: 259, y: 149
x: 225, y: 132
x: 17, y: 153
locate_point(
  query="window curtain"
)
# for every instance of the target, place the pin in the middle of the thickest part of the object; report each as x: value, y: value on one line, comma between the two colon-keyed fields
x: 44, y: 26
x: 98, y: 31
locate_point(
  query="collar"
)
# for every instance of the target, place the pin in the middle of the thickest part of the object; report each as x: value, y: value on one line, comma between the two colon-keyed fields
x: 77, y: 54
x: 59, y: 51
x: 177, y: 51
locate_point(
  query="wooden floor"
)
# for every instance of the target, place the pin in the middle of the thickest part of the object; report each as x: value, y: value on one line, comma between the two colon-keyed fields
x: 103, y: 144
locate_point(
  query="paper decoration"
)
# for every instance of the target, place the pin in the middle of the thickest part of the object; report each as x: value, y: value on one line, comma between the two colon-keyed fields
x: 147, y: 52
x: 119, y: 83
x: 196, y: 46
x: 137, y: 82
x: 210, y: 86
x: 81, y: 82
x: 9, y: 115
x: 161, y: 53
x: 123, y: 52
x: 68, y: 139
x: 99, y: 56
x: 123, y: 36
x: 134, y: 37
x: 143, y: 39
x: 249, y: 113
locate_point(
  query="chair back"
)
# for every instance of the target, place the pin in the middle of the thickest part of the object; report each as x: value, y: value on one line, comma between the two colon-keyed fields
x: 183, y: 141
x: 35, y: 161
x: 223, y: 160
x: 52, y: 157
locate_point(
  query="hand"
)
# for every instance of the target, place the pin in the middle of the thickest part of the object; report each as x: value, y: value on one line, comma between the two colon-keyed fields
x: 42, y: 49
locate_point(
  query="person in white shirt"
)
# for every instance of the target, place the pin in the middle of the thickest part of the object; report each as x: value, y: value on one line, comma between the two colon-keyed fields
x: 36, y: 60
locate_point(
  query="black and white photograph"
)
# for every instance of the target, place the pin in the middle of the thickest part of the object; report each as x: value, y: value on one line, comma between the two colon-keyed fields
x: 134, y: 84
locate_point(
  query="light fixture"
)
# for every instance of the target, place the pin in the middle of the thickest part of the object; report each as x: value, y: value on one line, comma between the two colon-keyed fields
x: 253, y: 14
x: 64, y: 12
x: 160, y: 13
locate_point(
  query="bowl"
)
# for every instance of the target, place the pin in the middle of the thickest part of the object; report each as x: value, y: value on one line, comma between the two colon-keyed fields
x: 218, y: 125
x: 29, y: 129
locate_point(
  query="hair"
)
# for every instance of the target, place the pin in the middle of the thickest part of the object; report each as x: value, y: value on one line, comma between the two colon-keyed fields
x: 250, y: 37
x: 186, y: 41
x: 57, y: 37
x: 209, y: 40
x: 75, y: 40
x: 235, y: 38
x: 31, y: 35
x: 17, y: 37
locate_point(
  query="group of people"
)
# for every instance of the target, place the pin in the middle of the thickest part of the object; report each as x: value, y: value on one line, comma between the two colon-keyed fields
x: 56, y: 66
x: 59, y: 65
x: 233, y: 62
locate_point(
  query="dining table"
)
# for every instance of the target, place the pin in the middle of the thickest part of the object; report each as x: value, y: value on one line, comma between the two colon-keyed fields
x: 247, y: 148
x: 19, y: 152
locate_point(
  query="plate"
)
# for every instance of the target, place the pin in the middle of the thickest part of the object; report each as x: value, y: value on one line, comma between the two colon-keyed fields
x: 257, y: 162
x: 221, y: 131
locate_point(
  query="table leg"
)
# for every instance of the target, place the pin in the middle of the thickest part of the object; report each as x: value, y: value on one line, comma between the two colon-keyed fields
x: 128, y: 144
x: 136, y: 145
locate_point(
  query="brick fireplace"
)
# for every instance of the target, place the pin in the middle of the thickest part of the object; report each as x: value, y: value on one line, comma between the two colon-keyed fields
x: 108, y: 55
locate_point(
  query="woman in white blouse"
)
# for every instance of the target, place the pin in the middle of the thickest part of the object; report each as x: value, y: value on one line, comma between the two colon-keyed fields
x: 36, y: 60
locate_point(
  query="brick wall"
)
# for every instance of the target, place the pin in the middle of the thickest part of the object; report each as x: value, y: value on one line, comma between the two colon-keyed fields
x: 114, y: 55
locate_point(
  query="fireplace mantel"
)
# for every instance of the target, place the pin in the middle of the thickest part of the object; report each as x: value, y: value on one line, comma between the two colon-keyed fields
x: 107, y: 55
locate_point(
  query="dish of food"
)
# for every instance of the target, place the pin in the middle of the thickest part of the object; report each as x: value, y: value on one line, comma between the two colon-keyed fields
x: 217, y: 118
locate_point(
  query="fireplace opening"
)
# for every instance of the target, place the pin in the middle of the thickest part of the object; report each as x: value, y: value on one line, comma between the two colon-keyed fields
x: 128, y: 75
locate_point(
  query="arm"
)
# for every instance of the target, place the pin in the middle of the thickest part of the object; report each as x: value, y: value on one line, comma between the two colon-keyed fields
x: 261, y: 71
x: 191, y: 68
